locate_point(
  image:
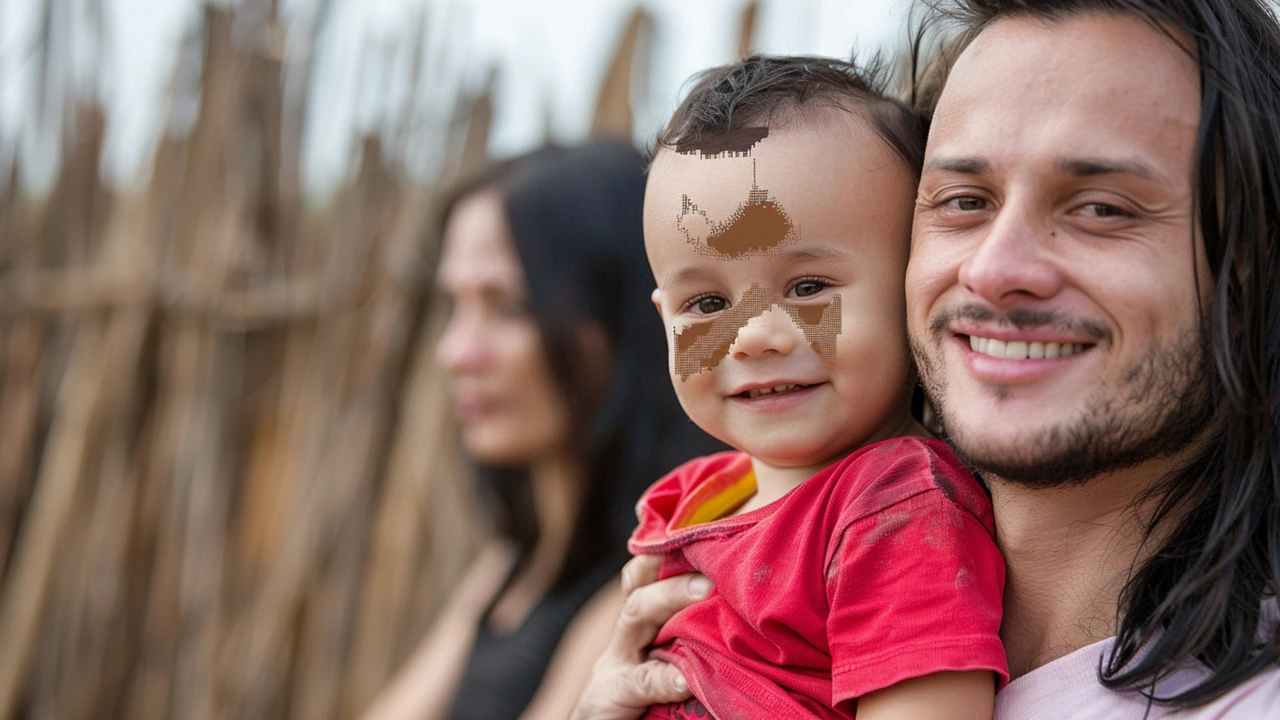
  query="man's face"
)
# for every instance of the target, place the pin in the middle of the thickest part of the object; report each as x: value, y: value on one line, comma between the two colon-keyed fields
x: 781, y: 267
x: 1052, y: 291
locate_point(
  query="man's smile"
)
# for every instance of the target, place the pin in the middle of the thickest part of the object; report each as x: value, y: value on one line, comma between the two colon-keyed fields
x: 1022, y: 349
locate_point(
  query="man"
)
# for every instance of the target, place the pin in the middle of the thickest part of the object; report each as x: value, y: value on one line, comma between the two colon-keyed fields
x: 1102, y: 176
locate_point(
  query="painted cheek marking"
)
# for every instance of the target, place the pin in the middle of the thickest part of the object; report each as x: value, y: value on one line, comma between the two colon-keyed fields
x: 758, y: 226
x: 701, y: 346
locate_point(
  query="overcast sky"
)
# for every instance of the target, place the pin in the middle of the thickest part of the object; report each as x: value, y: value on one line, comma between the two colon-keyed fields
x: 550, y: 56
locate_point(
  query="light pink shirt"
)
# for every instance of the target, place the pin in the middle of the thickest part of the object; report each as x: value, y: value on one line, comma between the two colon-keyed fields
x: 1068, y: 688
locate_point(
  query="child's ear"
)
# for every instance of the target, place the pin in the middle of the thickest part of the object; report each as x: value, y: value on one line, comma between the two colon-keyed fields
x: 656, y: 297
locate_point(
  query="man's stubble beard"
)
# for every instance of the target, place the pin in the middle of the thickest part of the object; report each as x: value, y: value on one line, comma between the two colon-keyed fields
x: 1172, y: 386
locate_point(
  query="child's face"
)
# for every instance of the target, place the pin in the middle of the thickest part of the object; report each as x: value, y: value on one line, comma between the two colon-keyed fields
x: 796, y: 280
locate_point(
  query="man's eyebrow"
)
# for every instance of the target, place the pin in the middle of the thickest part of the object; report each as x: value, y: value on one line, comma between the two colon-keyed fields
x: 962, y: 165
x: 1085, y: 167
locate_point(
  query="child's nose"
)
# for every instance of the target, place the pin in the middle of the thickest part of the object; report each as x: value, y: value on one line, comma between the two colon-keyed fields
x: 771, y: 332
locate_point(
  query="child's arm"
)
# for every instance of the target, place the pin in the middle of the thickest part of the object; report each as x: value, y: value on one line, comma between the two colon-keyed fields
x: 944, y: 696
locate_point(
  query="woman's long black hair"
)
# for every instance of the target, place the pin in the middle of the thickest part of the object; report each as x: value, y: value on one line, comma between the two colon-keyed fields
x: 1199, y: 595
x: 574, y: 214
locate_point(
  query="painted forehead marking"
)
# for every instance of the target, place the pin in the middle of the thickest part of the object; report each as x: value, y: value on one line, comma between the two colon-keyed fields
x: 730, y: 143
x: 759, y: 225
x: 701, y: 346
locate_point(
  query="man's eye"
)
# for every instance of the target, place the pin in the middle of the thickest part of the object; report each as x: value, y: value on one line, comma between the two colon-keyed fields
x: 805, y: 288
x: 1103, y: 210
x: 967, y: 203
x: 708, y: 305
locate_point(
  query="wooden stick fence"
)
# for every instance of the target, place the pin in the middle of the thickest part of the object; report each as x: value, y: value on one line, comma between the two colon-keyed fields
x: 229, y: 483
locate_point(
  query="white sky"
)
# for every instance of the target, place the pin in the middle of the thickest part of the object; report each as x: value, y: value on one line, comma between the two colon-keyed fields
x: 550, y: 56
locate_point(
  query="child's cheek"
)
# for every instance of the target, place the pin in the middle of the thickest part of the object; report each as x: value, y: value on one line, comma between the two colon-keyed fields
x: 696, y: 394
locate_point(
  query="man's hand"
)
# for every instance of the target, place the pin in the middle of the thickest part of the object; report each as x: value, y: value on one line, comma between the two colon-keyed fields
x: 623, y: 683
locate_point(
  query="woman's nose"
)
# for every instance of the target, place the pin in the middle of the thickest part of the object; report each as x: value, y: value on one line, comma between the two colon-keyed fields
x: 462, y: 345
x: 771, y: 332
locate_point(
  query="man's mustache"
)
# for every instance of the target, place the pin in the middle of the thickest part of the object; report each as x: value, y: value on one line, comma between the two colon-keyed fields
x: 1021, y: 318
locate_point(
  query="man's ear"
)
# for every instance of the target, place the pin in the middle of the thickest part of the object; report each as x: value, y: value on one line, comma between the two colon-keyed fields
x: 656, y: 297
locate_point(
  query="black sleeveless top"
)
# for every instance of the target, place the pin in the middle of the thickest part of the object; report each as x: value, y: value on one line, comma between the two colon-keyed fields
x: 505, y: 669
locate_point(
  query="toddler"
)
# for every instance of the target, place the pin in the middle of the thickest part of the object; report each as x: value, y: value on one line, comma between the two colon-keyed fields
x: 852, y: 558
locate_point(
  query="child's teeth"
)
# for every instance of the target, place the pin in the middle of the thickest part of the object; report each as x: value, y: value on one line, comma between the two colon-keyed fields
x: 770, y: 391
x: 1020, y: 350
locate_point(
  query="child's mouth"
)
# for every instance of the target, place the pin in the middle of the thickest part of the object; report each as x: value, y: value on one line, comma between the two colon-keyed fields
x: 749, y: 394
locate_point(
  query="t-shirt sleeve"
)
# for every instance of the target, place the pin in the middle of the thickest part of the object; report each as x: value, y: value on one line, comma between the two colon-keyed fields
x: 914, y: 589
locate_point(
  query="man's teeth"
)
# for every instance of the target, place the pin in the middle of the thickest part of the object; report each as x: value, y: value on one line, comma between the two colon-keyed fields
x: 1019, y: 350
x: 770, y: 391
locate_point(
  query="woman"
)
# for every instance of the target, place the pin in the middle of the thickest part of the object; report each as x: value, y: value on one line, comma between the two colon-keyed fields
x: 556, y: 363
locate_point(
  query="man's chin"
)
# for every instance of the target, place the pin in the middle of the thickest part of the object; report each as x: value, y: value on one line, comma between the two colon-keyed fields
x: 1033, y: 461
x: 1070, y: 454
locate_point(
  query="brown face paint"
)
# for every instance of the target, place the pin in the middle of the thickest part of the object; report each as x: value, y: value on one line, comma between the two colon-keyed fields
x: 731, y: 143
x: 758, y: 226
x: 701, y: 346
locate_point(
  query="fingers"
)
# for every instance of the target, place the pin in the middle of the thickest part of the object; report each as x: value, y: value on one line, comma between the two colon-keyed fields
x: 623, y: 682
x: 648, y: 606
x: 640, y: 570
x: 656, y: 682
x: 623, y: 693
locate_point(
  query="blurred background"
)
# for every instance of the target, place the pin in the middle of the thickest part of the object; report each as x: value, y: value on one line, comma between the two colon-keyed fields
x: 229, y: 480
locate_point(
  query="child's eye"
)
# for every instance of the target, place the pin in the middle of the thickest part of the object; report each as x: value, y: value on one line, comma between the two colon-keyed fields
x: 807, y: 287
x: 706, y: 304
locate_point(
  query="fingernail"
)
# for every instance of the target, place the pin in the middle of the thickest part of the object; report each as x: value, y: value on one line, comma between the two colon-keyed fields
x: 699, y: 587
x: 681, y: 684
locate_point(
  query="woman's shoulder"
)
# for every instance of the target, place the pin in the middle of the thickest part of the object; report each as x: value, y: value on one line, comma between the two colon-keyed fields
x: 484, y: 576
x: 582, y: 643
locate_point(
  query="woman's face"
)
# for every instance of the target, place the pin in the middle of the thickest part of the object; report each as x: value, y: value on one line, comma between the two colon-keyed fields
x: 509, y: 406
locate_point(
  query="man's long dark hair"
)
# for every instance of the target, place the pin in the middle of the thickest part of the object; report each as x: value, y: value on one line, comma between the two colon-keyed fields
x: 1216, y: 532
x: 574, y: 215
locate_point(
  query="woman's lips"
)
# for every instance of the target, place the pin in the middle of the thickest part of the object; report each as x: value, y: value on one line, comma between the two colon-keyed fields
x: 471, y: 409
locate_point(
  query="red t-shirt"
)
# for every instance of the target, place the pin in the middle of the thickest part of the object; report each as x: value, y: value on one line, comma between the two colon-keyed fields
x: 880, y: 568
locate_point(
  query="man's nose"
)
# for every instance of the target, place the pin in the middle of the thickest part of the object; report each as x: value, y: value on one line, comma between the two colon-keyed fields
x: 1014, y: 261
x: 463, y: 345
x: 769, y: 333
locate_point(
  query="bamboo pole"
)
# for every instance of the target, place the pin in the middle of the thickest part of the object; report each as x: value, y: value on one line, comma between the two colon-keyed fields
x: 613, y: 113
x: 229, y: 482
x: 747, y: 29
x: 70, y: 215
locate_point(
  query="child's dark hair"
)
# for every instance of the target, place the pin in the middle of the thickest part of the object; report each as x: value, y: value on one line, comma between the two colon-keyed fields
x: 764, y: 90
